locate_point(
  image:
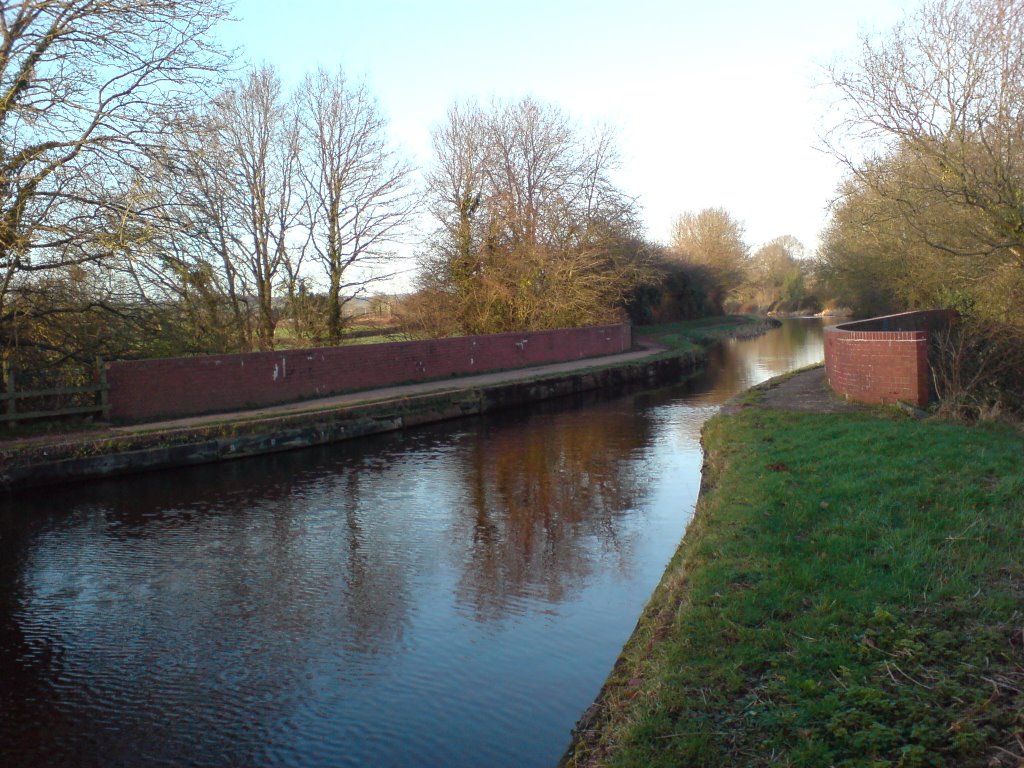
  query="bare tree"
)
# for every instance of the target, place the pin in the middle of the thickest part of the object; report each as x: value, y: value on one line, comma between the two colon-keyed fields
x: 776, y: 274
x: 932, y: 131
x: 190, y: 264
x: 84, y: 88
x: 712, y: 239
x: 943, y: 95
x: 878, y: 255
x: 358, y: 189
x: 455, y: 192
x: 253, y: 135
x: 532, y: 232
x: 243, y: 192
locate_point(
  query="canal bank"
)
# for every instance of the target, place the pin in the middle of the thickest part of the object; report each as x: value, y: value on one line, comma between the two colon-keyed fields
x: 453, y: 594
x: 669, y: 354
x: 827, y: 610
x: 201, y: 440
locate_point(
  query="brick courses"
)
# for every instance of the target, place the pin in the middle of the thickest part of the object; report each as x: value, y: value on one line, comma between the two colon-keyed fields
x: 143, y: 390
x: 883, y: 359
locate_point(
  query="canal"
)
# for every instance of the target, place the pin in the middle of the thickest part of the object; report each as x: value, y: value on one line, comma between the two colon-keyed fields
x: 450, y: 595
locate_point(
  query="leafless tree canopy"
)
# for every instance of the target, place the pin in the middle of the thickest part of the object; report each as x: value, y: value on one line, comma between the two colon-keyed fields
x: 932, y: 214
x: 714, y: 240
x: 942, y: 98
x: 85, y: 88
x: 254, y: 149
x: 298, y: 195
x: 150, y: 204
x: 358, y: 189
x: 149, y: 200
x: 532, y: 232
x: 777, y: 276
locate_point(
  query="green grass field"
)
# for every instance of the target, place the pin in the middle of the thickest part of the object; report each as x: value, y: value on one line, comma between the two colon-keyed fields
x: 850, y: 593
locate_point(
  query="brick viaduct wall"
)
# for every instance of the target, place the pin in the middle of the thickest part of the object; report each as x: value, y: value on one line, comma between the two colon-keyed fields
x: 883, y: 359
x: 144, y: 390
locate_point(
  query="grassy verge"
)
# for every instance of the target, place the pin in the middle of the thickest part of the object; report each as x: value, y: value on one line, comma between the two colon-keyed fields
x: 379, y: 338
x: 850, y: 593
x: 693, y: 335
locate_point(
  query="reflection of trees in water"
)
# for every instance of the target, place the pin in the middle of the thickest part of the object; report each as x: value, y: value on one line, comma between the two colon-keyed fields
x: 376, y: 572
x: 736, y: 364
x: 222, y: 601
x: 545, y: 504
x: 211, y: 613
x: 798, y: 342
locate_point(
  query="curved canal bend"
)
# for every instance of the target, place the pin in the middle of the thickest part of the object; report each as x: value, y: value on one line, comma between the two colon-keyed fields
x: 451, y: 595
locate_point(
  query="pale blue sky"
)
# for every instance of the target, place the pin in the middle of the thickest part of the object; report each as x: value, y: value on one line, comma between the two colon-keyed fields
x: 715, y: 102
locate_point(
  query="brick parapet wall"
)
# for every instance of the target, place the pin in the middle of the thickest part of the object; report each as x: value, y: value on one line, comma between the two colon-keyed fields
x: 144, y: 390
x: 921, y: 320
x: 883, y: 359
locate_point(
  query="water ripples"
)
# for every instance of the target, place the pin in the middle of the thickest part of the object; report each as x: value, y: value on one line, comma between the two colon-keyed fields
x: 453, y: 595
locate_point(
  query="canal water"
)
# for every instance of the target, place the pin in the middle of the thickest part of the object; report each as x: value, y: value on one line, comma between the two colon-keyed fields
x: 450, y: 595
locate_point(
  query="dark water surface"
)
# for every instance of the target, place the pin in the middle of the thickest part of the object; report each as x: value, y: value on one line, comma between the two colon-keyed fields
x: 452, y: 595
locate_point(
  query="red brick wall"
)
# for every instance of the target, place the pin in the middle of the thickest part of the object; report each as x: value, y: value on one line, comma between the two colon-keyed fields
x: 142, y: 390
x: 883, y: 359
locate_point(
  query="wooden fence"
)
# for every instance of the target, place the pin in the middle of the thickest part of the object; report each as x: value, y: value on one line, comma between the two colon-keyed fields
x: 10, y: 397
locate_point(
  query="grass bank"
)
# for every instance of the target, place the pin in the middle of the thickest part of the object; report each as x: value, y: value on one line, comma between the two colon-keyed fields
x: 850, y: 593
x: 695, y: 335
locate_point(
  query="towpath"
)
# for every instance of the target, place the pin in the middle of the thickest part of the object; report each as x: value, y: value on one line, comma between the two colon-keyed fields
x: 805, y: 390
x: 336, y: 402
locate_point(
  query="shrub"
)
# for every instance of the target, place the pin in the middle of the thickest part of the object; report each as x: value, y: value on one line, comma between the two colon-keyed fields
x: 978, y: 370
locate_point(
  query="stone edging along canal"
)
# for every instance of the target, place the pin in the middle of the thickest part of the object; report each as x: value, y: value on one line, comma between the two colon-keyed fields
x: 87, y: 457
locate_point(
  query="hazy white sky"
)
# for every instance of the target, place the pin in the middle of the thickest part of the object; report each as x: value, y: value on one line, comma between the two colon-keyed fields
x: 716, y: 103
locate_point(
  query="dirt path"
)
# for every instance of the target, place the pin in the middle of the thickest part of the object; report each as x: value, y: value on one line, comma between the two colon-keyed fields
x: 806, y: 390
